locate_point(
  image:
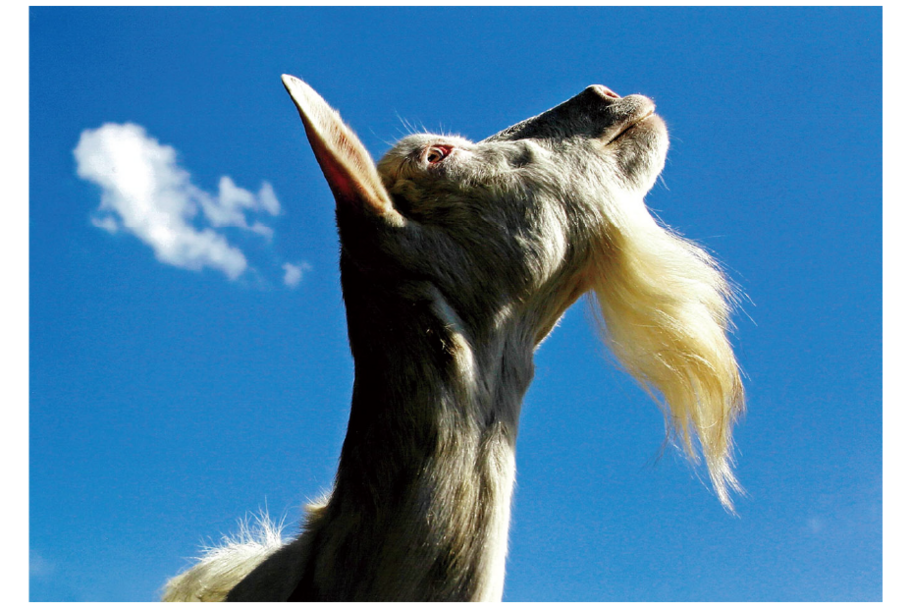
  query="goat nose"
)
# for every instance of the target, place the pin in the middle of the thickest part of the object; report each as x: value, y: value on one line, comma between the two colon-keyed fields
x: 589, y: 111
x: 603, y: 90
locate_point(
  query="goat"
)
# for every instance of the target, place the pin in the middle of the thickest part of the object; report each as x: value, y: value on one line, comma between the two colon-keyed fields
x: 457, y: 260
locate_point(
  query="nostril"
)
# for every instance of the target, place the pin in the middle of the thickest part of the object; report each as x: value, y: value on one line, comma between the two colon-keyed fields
x: 605, y: 91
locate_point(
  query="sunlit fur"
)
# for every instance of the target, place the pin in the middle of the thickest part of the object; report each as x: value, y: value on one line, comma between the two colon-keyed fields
x: 666, y: 308
x: 224, y: 564
x: 457, y: 259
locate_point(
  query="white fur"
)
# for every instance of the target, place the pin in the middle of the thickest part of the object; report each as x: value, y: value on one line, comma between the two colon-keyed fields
x: 224, y: 564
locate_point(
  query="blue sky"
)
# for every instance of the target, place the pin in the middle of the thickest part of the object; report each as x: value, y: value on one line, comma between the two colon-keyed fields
x: 175, y: 388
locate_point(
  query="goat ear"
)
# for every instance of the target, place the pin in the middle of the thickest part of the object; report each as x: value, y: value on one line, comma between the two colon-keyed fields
x: 345, y: 162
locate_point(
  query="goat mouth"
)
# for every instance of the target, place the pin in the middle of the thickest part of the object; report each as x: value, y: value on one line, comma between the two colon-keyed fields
x: 642, y: 120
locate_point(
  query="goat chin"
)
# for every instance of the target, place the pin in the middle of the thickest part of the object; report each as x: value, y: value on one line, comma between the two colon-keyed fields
x: 457, y: 258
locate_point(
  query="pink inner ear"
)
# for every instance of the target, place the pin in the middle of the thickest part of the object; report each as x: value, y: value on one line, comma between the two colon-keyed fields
x: 338, y: 180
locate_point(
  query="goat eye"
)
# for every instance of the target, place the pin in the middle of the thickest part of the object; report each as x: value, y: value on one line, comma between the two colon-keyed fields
x: 437, y: 153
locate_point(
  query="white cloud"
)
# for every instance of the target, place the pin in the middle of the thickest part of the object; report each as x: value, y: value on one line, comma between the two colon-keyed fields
x: 147, y: 194
x: 106, y: 223
x: 232, y: 204
x: 259, y: 228
x: 294, y: 273
x: 268, y: 199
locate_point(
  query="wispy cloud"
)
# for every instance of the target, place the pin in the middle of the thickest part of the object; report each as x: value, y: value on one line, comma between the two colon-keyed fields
x: 146, y: 193
x: 38, y: 566
x: 294, y: 273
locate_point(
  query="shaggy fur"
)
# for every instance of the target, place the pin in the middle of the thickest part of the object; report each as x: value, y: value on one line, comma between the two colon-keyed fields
x: 457, y: 259
x: 222, y: 565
